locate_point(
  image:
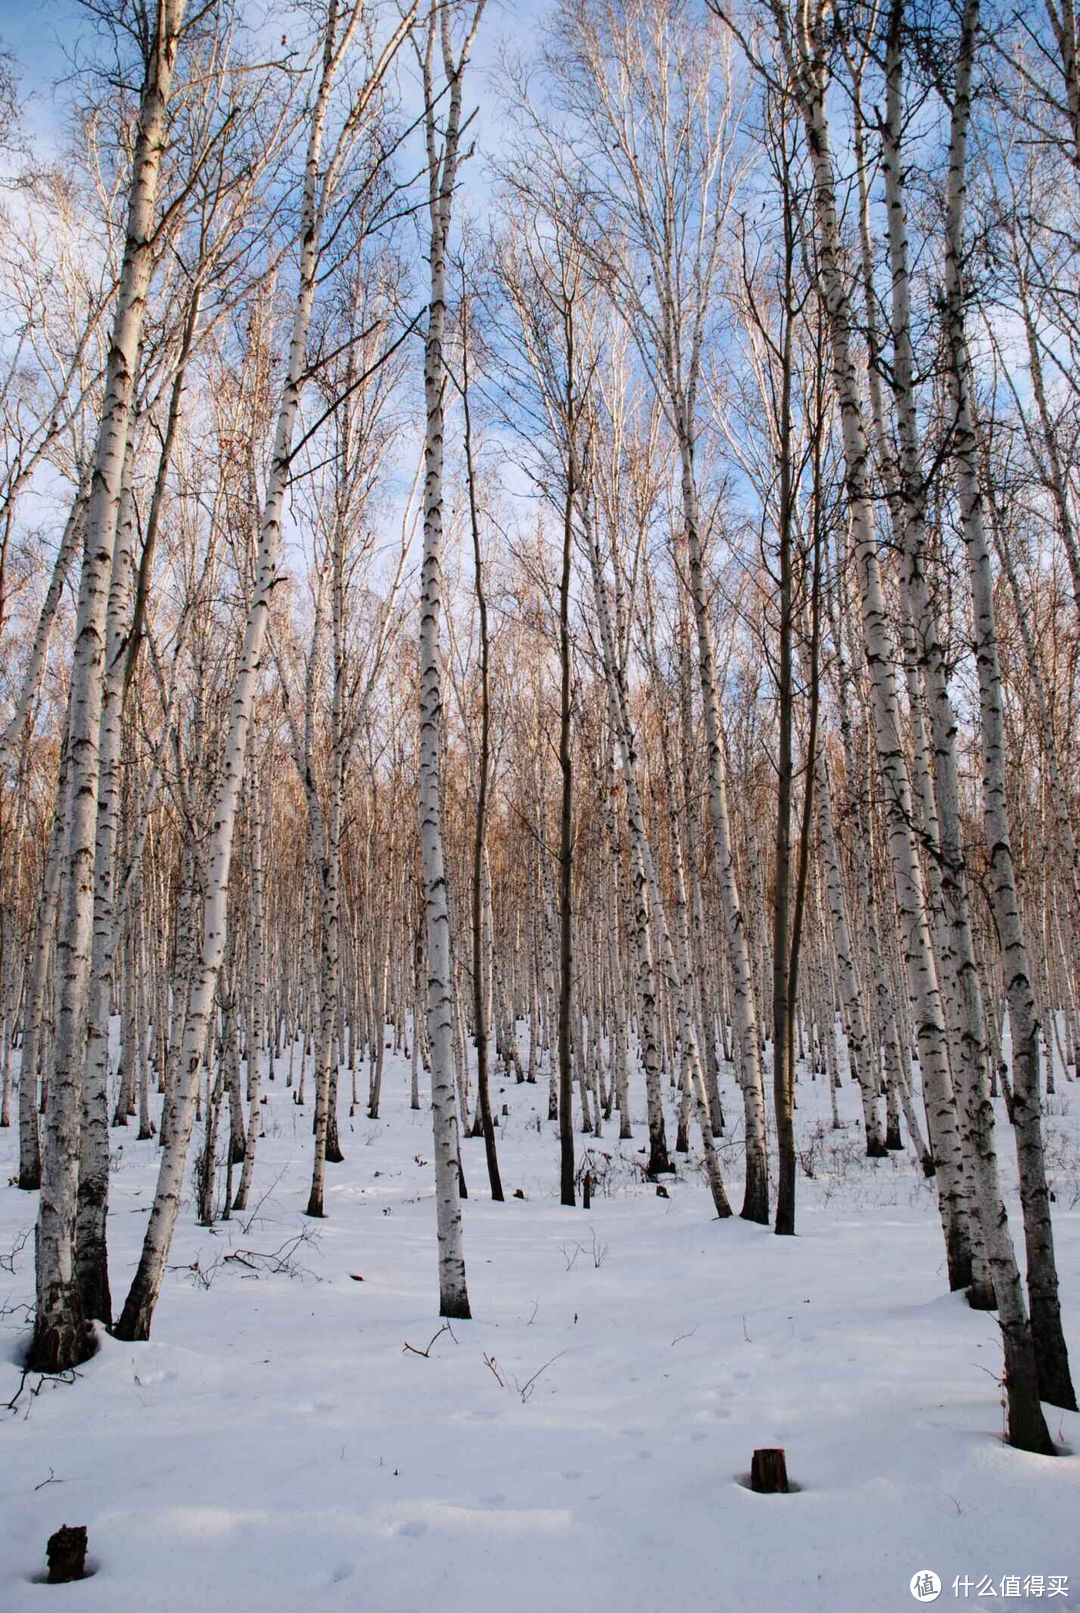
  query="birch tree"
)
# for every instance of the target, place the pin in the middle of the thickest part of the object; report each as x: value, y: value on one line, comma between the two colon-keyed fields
x: 443, y: 134
x: 803, y: 54
x: 61, y: 1335
x: 1054, y: 1380
x: 322, y: 172
x: 668, y: 193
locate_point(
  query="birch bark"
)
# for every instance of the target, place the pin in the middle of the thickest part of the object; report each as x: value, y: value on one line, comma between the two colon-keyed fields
x: 805, y: 51
x: 317, y: 191
x: 1051, y: 1354
x: 443, y: 153
x: 62, y: 1337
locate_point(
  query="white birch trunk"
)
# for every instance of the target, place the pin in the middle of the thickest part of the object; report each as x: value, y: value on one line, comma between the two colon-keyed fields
x: 13, y: 730
x: 61, y: 1334
x: 91, y: 1255
x: 442, y: 160
x: 139, y: 1306
x: 744, y: 1005
x: 881, y: 655
x: 1054, y: 1379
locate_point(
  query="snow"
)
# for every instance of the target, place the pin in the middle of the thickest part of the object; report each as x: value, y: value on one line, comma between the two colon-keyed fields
x: 585, y: 1441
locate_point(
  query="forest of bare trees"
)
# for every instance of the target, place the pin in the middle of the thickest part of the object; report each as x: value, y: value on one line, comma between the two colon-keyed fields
x: 555, y: 567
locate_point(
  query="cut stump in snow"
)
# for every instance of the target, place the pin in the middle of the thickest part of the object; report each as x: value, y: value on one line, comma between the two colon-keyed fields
x: 66, y: 1554
x: 768, y: 1472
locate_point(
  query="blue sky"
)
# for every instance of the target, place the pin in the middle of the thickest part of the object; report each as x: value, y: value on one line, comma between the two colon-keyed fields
x: 45, y: 35
x: 41, y: 36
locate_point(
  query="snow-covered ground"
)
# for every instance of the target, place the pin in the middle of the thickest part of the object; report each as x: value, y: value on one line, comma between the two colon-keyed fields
x: 581, y: 1446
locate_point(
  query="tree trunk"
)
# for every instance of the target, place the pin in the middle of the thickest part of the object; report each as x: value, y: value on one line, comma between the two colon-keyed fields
x: 62, y: 1337
x: 1051, y: 1355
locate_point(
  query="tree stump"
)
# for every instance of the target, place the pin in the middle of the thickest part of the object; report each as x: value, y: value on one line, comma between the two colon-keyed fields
x: 768, y: 1473
x: 66, y: 1554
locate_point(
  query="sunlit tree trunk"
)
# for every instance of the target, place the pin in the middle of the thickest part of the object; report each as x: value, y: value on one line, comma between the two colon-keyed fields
x: 443, y: 134
x: 806, y: 53
x: 142, y: 1297
x: 1054, y: 1379
x: 61, y: 1335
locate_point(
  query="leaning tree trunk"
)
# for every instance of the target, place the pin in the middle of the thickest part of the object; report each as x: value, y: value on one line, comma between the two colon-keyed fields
x: 12, y: 733
x: 62, y: 1337
x: 923, y: 651
x: 920, y: 965
x: 1054, y: 1379
x: 142, y: 1297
